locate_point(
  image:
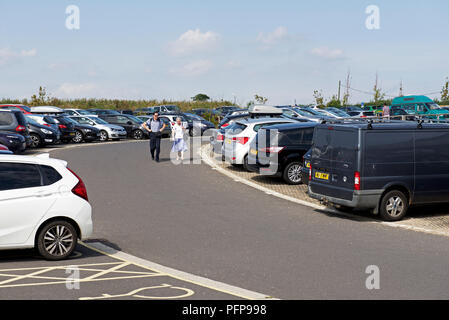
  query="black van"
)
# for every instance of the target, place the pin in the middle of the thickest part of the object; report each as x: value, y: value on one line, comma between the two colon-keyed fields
x: 380, y: 166
x: 284, y: 157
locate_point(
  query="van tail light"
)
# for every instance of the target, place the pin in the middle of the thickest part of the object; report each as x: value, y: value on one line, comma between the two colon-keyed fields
x: 241, y: 140
x: 225, y: 125
x: 20, y: 128
x: 272, y: 149
x: 357, y: 180
x: 61, y: 126
x: 80, y: 188
x: 310, y: 173
x: 220, y: 137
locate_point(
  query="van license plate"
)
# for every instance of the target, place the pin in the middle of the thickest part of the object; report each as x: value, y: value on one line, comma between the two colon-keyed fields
x: 228, y: 141
x: 321, y: 175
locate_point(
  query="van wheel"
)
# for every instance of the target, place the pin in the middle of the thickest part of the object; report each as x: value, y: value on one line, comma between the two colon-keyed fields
x: 393, y: 206
x: 57, y: 240
x: 293, y: 173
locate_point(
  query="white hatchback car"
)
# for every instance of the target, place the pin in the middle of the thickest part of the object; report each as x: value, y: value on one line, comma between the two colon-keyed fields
x: 237, y: 141
x: 43, y: 205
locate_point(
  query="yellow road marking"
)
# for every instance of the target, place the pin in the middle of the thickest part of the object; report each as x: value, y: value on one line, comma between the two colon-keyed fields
x: 26, y: 276
x: 99, y: 274
x: 167, y: 274
x: 80, y: 281
x: 133, y: 293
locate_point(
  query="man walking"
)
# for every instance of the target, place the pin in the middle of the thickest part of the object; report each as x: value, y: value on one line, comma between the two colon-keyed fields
x: 155, y: 127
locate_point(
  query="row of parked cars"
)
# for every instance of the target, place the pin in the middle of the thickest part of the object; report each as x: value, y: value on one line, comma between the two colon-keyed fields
x: 44, y: 204
x: 378, y: 164
x: 22, y: 126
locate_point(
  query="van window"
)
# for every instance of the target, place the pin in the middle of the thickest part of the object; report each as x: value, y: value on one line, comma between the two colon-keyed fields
x: 6, y: 118
x: 420, y: 107
x: 343, y: 144
x: 19, y: 176
x: 337, y: 145
x: 409, y: 108
x: 321, y: 144
x: 388, y: 147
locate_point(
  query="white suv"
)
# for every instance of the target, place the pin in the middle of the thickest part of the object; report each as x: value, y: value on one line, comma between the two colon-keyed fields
x: 43, y: 205
x: 238, y: 140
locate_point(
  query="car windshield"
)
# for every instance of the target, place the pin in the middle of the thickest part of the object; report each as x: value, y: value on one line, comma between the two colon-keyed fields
x: 32, y: 121
x: 190, y: 116
x: 304, y: 112
x: 70, y: 120
x: 337, y: 112
x: 135, y: 119
x: 84, y: 112
x: 433, y: 106
x: 98, y: 120
x: 313, y: 111
x: 50, y: 120
x: 173, y: 108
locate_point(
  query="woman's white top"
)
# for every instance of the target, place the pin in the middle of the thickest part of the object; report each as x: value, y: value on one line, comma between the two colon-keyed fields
x: 178, y: 131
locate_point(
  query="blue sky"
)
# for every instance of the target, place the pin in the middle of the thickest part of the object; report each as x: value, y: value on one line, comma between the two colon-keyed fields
x: 283, y: 50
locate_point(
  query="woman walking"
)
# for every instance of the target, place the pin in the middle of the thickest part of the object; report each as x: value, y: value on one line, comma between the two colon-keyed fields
x: 179, y: 145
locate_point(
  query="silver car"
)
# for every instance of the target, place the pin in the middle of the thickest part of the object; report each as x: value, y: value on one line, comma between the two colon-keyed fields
x: 107, y: 130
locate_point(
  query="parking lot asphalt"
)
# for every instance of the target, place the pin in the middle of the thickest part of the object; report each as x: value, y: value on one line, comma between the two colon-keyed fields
x: 192, y: 218
x: 93, y: 274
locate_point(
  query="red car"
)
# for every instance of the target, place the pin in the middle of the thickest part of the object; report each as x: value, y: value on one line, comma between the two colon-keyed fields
x: 4, y: 150
x: 19, y: 107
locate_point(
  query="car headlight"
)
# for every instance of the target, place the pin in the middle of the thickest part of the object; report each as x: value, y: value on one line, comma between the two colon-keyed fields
x: 46, y: 131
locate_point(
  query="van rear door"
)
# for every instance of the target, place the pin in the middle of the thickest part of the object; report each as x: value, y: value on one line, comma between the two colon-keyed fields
x: 334, y: 159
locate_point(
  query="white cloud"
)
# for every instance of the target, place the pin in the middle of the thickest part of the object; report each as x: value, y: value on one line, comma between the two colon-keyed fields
x: 28, y: 53
x: 273, y: 37
x: 192, y: 41
x: 325, y: 52
x: 194, y: 68
x: 58, y: 66
x: 92, y: 73
x: 234, y: 64
x: 71, y: 90
x: 7, y: 55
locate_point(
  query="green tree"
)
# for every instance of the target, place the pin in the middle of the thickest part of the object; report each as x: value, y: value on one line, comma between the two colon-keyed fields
x: 201, y: 97
x: 42, y: 98
x: 334, y: 102
x: 318, y: 96
x: 378, y: 94
x: 260, y: 99
x: 445, y: 91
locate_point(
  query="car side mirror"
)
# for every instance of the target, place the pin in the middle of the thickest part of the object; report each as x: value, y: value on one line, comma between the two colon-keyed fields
x: 129, y: 123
